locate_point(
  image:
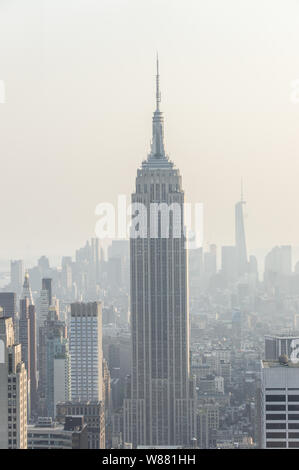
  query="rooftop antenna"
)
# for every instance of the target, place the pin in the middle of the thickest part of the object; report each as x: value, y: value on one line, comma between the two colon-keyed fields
x: 158, y: 94
x: 242, y: 199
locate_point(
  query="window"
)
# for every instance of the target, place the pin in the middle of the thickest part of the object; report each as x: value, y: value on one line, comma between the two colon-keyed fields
x: 276, y: 417
x: 275, y: 444
x: 275, y: 398
x: 275, y: 407
x: 276, y: 435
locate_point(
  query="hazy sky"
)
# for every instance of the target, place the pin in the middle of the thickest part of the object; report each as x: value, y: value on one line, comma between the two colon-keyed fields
x: 76, y: 124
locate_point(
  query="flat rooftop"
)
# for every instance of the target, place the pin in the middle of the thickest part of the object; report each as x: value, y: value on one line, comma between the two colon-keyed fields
x: 268, y: 364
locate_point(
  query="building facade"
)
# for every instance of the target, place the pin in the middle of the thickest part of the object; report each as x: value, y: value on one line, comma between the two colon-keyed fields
x: 280, y: 404
x: 13, y: 390
x: 94, y: 417
x: 86, y: 351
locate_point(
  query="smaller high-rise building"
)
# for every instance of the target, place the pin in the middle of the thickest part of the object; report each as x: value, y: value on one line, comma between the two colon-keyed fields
x: 27, y: 337
x: 86, y: 351
x: 45, y: 301
x: 16, y: 275
x: 229, y: 266
x: 8, y: 301
x: 54, y: 364
x: 279, y: 404
x: 278, y: 265
x: 13, y: 390
x: 94, y: 416
x: 47, y: 434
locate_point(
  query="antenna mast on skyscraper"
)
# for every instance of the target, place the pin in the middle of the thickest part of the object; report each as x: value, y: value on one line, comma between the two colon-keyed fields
x: 158, y: 94
x: 242, y: 197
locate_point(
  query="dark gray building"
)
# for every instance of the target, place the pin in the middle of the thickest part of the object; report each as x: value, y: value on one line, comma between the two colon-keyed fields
x: 8, y: 301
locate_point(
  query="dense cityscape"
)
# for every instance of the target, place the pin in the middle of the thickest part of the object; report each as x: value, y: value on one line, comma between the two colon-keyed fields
x: 147, y: 344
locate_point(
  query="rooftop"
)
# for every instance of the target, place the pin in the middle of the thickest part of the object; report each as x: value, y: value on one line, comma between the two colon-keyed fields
x: 268, y: 364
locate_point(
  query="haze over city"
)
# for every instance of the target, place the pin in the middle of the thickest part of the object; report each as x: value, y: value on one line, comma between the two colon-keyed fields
x: 125, y: 126
x: 77, y: 118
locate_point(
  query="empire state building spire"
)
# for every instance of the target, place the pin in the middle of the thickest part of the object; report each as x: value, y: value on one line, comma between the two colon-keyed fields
x: 158, y: 93
x: 157, y: 147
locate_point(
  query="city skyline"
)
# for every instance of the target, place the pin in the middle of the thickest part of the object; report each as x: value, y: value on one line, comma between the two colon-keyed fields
x: 149, y: 270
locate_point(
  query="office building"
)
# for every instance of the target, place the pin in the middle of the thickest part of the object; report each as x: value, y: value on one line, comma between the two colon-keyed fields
x: 94, y: 417
x: 13, y: 390
x: 8, y: 301
x: 16, y: 276
x: 86, y: 351
x: 160, y: 405
x: 280, y: 404
x: 47, y: 434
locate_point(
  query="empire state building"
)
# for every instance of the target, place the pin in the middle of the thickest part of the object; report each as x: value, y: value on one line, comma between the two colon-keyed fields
x: 160, y: 404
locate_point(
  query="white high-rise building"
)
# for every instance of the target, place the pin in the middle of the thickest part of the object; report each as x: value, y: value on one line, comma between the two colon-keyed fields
x: 13, y: 390
x: 86, y: 351
x: 280, y: 404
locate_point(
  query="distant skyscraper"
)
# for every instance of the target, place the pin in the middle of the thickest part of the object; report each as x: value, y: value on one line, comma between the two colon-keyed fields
x: 27, y: 337
x: 45, y: 301
x: 210, y: 262
x: 47, y: 285
x: 278, y: 262
x: 24, y: 333
x: 86, y: 351
x: 229, y: 263
x: 160, y: 409
x: 54, y: 364
x: 241, y: 251
x: 8, y: 303
x: 26, y: 292
x: 16, y: 275
x: 13, y: 390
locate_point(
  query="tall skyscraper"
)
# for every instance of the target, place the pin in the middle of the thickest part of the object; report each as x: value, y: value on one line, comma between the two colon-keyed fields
x: 13, y: 390
x: 27, y: 336
x: 160, y: 409
x: 86, y: 351
x: 241, y: 251
x: 24, y: 333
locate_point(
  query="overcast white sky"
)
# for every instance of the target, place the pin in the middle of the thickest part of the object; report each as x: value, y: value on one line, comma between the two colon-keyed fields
x: 76, y: 124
